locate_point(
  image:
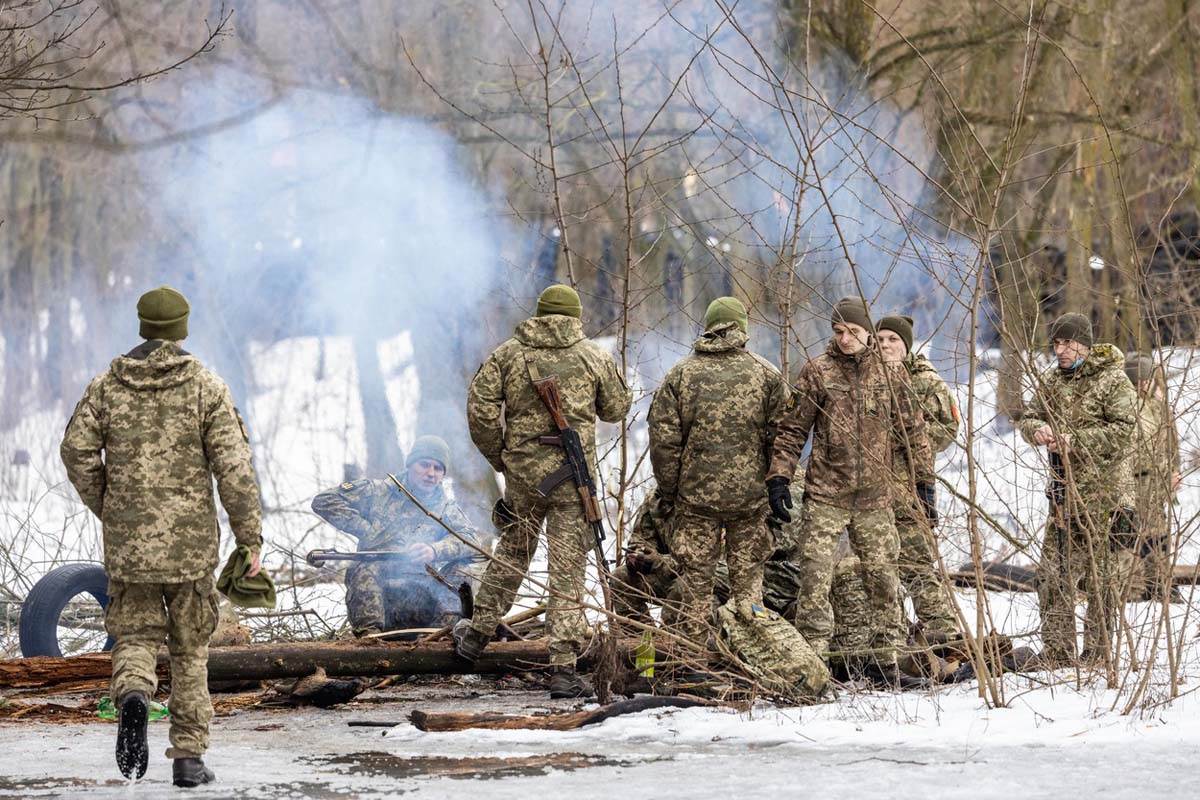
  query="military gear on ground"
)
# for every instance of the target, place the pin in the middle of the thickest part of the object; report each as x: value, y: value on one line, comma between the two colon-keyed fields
x: 1139, y: 369
x: 468, y: 642
x: 433, y: 448
x: 779, y: 495
x: 559, y: 299
x: 242, y: 590
x: 726, y: 309
x: 565, y: 684
x: 163, y: 314
x: 191, y: 772
x: 1072, y: 327
x: 166, y: 426
x: 133, y: 754
x: 901, y: 325
x: 852, y: 310
x: 771, y: 649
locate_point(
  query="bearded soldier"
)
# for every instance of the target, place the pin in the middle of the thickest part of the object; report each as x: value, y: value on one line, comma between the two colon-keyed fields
x: 711, y: 424
x: 400, y: 593
x: 1084, y: 412
x: 142, y: 449
x: 507, y: 419
x: 916, y: 515
x: 858, y: 413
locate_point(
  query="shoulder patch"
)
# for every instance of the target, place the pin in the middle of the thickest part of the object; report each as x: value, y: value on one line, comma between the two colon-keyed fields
x: 347, y: 485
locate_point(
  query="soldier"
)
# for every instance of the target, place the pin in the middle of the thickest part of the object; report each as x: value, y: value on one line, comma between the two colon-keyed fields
x: 711, y: 424
x: 858, y: 412
x: 1156, y: 477
x: 142, y: 449
x: 506, y: 419
x: 916, y: 517
x: 1084, y: 412
x: 386, y: 595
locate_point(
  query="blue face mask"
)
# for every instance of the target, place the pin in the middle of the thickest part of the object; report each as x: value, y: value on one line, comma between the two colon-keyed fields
x: 1074, y: 366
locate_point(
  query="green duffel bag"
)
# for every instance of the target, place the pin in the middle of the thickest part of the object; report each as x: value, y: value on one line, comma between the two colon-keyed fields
x: 772, y: 651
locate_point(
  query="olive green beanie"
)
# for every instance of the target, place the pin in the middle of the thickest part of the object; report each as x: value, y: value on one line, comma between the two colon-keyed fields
x: 726, y: 309
x: 1072, y: 326
x: 163, y: 313
x: 899, y: 324
x: 431, y: 447
x: 559, y: 299
x: 852, y: 310
x: 1139, y: 368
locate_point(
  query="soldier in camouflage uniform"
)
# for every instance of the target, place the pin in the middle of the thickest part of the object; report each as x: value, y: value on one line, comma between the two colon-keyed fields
x: 506, y: 419
x: 388, y: 595
x: 142, y: 449
x: 711, y: 424
x: 1156, y: 477
x: 1084, y: 412
x: 858, y: 412
x: 916, y: 516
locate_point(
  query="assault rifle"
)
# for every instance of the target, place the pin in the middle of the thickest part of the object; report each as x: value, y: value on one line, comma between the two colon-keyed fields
x: 1058, y: 489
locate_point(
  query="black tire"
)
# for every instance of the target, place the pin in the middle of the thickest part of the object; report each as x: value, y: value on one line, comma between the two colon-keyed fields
x: 49, y: 596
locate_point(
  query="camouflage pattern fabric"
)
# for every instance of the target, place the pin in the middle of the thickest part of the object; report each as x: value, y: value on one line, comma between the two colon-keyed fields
x: 506, y: 417
x: 858, y: 412
x: 874, y: 540
x: 633, y: 593
x: 139, y: 617
x: 711, y: 423
x: 771, y: 650
x: 852, y: 629
x: 920, y: 577
x: 1155, y: 463
x: 933, y: 399
x: 142, y: 449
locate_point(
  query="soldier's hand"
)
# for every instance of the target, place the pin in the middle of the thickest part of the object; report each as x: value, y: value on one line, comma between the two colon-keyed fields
x: 1043, y: 436
x: 643, y: 561
x: 419, y: 551
x: 779, y: 495
x: 255, y: 564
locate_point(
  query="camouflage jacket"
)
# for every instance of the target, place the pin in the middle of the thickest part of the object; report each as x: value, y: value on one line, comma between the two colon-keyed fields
x: 506, y: 417
x: 932, y: 398
x: 381, y: 517
x: 1155, y: 459
x: 142, y: 449
x: 1097, y: 406
x: 711, y: 425
x: 858, y: 412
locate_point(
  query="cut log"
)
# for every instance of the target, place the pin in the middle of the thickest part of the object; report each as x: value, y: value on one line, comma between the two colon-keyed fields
x: 295, y: 660
x: 999, y: 576
x: 561, y: 721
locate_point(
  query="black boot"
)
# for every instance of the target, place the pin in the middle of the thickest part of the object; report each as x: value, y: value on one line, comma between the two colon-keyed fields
x: 887, y: 676
x: 132, y: 753
x: 191, y: 772
x: 468, y: 642
x: 565, y: 683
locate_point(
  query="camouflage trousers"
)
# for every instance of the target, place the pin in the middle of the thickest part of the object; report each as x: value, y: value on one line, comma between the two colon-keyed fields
x: 1154, y: 539
x: 379, y: 596
x: 568, y: 538
x: 1073, y: 557
x: 696, y: 544
x: 633, y: 592
x: 919, y: 575
x: 139, y: 617
x: 874, y: 540
x: 851, y: 611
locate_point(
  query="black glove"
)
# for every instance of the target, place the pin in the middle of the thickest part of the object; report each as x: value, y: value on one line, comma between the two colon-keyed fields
x: 925, y: 493
x: 779, y: 495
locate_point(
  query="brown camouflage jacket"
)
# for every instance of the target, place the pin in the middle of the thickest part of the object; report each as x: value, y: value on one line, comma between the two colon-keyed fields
x: 1155, y: 459
x: 711, y: 424
x: 858, y: 412
x: 142, y: 449
x: 506, y: 417
x: 1096, y: 406
x: 381, y: 517
x: 931, y: 396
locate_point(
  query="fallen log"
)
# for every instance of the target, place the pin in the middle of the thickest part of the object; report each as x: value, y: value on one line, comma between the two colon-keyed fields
x: 298, y: 659
x: 559, y: 721
x: 1000, y: 576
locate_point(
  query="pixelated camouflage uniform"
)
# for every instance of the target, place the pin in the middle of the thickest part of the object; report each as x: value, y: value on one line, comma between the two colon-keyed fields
x: 1096, y: 405
x: 506, y: 417
x: 919, y: 575
x: 1155, y: 463
x: 389, y: 595
x: 857, y: 410
x: 711, y: 423
x: 142, y: 449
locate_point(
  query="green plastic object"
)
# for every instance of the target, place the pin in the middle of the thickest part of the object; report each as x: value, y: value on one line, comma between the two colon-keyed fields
x: 644, y: 655
x: 106, y: 709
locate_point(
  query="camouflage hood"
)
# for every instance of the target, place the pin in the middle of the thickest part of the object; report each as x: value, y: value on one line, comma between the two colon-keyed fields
x: 551, y: 332
x: 723, y: 338
x: 1102, y: 357
x: 155, y: 365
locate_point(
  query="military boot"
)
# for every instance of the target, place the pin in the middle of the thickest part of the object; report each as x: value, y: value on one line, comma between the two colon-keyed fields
x: 132, y: 753
x: 888, y: 676
x: 565, y: 683
x: 191, y: 772
x: 468, y: 642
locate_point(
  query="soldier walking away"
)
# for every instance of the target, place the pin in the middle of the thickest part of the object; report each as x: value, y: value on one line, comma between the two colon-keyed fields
x: 858, y: 413
x: 1156, y: 478
x: 711, y: 424
x: 507, y: 421
x: 400, y: 593
x: 1084, y: 412
x: 142, y: 449
x: 915, y: 505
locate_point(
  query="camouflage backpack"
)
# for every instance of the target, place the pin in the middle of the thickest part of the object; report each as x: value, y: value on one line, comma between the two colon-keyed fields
x: 772, y: 650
